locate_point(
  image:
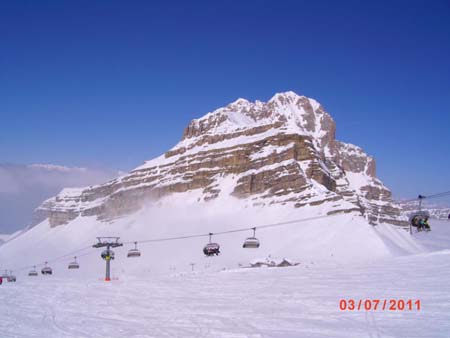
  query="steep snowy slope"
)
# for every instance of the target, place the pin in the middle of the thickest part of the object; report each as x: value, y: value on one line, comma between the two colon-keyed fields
x: 343, y: 238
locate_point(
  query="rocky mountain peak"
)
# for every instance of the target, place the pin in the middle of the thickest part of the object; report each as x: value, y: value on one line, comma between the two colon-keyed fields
x: 284, y: 98
x: 240, y: 102
x: 287, y: 112
x: 282, y: 151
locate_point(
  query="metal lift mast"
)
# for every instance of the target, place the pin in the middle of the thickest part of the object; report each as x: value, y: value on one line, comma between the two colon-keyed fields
x: 108, y: 242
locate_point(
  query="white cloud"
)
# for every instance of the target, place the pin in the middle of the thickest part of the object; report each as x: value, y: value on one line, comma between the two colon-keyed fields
x: 24, y: 187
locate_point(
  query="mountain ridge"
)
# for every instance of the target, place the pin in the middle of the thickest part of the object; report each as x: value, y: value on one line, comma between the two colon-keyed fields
x: 280, y: 151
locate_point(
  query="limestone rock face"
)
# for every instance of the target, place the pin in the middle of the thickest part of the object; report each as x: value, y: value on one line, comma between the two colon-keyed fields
x: 263, y: 153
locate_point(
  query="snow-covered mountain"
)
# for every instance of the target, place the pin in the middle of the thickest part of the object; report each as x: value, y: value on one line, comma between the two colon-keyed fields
x: 282, y: 151
x: 248, y: 164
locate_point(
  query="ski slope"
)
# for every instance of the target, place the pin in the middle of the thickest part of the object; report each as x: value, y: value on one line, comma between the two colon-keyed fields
x: 345, y: 238
x: 158, y: 295
x: 300, y: 301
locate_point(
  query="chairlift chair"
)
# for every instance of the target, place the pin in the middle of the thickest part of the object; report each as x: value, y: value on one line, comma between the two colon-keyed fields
x: 134, y: 252
x: 251, y: 242
x: 416, y: 217
x: 33, y: 273
x: 46, y: 270
x: 74, y: 264
x: 211, y: 248
x: 11, y: 278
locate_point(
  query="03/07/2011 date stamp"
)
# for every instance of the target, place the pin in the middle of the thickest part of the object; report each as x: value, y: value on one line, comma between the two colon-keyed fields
x: 380, y: 305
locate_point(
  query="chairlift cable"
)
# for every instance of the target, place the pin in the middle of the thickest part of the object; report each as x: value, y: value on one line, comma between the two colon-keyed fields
x: 231, y: 231
x: 264, y: 226
x: 53, y: 260
x: 437, y: 195
x: 444, y: 194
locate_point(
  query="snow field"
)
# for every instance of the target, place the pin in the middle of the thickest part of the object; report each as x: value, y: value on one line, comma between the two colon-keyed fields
x: 300, y: 301
x: 157, y: 295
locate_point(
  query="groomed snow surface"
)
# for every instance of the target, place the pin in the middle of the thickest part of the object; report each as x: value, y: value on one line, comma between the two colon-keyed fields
x: 157, y: 295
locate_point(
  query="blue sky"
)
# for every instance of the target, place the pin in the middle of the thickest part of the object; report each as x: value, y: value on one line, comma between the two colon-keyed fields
x: 113, y: 83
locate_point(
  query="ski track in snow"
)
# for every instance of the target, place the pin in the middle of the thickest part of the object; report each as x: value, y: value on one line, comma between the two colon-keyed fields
x: 289, y: 302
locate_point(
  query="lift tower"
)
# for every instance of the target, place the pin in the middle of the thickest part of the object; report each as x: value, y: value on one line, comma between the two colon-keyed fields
x: 108, y: 254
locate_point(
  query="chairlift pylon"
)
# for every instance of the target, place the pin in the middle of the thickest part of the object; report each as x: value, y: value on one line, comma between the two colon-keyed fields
x: 134, y: 252
x: 107, y: 254
x: 251, y: 242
